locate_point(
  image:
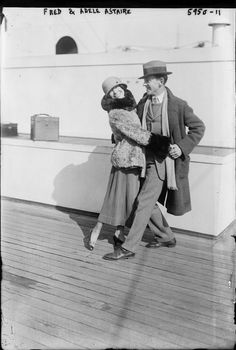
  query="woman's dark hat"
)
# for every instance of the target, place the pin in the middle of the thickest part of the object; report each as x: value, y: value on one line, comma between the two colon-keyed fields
x: 154, y: 68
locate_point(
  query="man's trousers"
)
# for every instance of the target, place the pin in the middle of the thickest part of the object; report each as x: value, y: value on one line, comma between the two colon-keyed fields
x: 148, y: 212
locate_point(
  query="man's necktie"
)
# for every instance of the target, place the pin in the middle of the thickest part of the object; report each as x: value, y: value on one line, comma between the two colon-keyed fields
x: 155, y: 100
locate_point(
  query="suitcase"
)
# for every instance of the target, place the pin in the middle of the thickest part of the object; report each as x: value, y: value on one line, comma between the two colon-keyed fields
x: 9, y: 129
x: 44, y: 128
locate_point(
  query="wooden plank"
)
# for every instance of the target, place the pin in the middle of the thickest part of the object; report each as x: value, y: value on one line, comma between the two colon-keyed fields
x: 143, y: 312
x: 69, y: 287
x: 157, y: 304
x: 178, y: 253
x: 39, y: 333
x: 28, y: 207
x: 66, y: 215
x: 73, y: 321
x: 74, y: 265
x: 181, y: 286
x: 26, y: 309
x: 83, y: 220
x: 25, y: 296
x: 102, y: 289
x: 146, y: 334
x: 180, y: 272
x: 96, y: 296
x: 43, y: 245
x: 59, y: 239
x: 53, y: 243
x: 213, y: 340
x: 202, y: 249
x: 11, y: 338
x: 117, y: 279
x: 53, y: 212
x: 92, y: 268
x: 91, y: 264
x: 76, y: 313
x: 115, y: 294
x: 176, y: 260
x: 172, y: 260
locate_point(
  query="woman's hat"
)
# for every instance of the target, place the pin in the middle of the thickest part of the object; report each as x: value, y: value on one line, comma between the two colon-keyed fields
x: 154, y: 68
x: 110, y: 83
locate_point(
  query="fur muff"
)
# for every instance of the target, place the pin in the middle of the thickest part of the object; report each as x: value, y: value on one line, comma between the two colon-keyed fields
x: 159, y: 145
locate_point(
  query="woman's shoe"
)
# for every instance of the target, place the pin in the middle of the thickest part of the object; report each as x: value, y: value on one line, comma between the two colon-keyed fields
x: 87, y: 241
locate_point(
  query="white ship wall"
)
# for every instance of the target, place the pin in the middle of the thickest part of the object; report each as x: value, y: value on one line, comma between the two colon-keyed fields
x: 69, y: 87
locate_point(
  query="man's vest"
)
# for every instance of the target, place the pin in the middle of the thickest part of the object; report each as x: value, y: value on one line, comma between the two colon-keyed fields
x: 153, y: 121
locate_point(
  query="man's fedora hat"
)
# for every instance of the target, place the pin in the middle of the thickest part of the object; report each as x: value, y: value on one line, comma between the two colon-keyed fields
x: 154, y: 68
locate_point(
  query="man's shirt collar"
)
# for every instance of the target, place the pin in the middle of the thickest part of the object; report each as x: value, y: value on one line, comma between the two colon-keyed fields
x: 158, y: 98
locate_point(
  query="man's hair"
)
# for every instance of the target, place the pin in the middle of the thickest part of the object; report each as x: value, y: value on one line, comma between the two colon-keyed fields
x: 165, y: 77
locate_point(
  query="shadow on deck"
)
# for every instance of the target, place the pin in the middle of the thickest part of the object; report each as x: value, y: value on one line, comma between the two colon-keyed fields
x: 58, y: 295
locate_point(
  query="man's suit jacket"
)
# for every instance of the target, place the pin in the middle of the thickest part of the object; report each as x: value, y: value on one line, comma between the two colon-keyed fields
x: 180, y: 116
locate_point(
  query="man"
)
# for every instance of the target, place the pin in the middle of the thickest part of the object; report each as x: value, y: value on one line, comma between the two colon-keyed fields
x: 166, y: 180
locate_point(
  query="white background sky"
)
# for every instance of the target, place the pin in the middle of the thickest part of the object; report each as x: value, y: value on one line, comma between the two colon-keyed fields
x: 144, y: 27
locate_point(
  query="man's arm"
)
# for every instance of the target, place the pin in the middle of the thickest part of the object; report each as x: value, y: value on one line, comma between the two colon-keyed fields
x: 196, y: 129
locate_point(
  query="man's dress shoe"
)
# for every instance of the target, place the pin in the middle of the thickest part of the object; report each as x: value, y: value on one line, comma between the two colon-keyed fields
x: 118, y: 254
x: 156, y: 244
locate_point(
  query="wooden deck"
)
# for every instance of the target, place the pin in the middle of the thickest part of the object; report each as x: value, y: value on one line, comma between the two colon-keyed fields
x: 58, y: 295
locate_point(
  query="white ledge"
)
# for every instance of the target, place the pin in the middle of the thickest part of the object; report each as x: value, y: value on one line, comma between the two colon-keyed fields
x: 201, y: 154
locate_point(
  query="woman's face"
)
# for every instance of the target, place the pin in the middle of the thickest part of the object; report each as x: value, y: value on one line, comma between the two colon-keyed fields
x: 117, y: 92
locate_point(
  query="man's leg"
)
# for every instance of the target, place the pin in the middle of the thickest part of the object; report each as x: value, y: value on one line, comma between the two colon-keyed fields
x: 158, y: 221
x: 146, y: 201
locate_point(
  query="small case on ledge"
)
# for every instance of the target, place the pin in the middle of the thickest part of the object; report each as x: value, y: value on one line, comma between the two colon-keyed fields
x: 44, y: 128
x: 9, y: 129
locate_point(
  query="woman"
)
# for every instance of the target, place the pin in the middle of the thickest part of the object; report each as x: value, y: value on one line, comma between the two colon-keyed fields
x: 127, y: 160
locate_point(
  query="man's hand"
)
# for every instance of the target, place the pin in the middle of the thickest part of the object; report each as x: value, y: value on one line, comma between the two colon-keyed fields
x: 174, y: 151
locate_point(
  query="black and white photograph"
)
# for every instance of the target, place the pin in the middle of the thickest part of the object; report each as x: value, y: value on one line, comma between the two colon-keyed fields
x: 118, y: 225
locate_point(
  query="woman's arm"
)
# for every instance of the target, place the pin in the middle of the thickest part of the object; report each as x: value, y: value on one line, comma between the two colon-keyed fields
x: 121, y: 121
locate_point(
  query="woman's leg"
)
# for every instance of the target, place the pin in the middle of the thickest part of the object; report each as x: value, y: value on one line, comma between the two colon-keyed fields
x: 95, y: 233
x: 119, y: 233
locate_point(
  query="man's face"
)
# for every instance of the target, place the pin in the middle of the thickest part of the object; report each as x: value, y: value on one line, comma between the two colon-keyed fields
x: 152, y: 84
